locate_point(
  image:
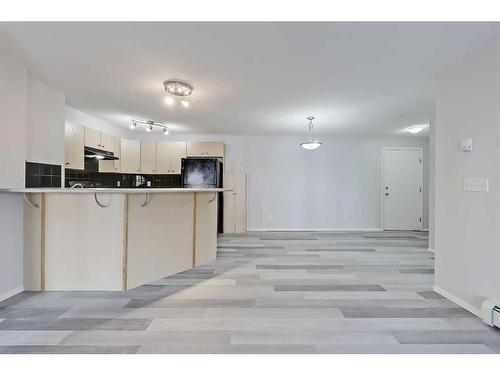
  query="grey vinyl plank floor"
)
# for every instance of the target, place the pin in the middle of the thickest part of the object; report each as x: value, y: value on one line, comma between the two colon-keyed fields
x: 267, y: 292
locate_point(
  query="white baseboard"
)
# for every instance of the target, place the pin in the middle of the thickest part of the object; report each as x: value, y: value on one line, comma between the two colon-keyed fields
x: 10, y: 293
x: 458, y: 301
x: 431, y: 250
x: 314, y: 230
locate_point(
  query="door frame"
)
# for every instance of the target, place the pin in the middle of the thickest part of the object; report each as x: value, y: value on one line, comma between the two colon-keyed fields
x: 382, y: 199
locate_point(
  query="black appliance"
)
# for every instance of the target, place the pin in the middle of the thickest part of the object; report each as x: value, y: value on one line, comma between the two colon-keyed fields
x: 95, y: 153
x: 204, y: 173
x: 201, y: 173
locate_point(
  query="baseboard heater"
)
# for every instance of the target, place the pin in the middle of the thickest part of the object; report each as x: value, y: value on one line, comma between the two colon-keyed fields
x: 491, y: 313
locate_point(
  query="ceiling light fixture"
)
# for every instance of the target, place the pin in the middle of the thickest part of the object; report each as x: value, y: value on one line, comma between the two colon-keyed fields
x: 150, y: 125
x: 169, y: 100
x: 310, y: 144
x: 416, y: 128
x: 177, y: 88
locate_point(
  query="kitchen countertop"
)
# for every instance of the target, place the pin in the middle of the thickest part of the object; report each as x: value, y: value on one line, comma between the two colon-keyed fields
x: 115, y: 190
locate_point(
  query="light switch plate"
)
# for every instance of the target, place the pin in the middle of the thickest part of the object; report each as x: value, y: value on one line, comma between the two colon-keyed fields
x: 466, y: 145
x: 476, y: 184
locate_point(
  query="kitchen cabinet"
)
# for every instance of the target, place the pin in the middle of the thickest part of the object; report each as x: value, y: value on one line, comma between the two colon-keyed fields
x: 204, y: 149
x: 168, y: 157
x: 96, y: 139
x: 117, y: 151
x: 130, y: 160
x: 112, y: 166
x: 74, y: 140
x: 148, y: 157
x: 92, y: 138
x: 235, y: 216
x: 107, y: 142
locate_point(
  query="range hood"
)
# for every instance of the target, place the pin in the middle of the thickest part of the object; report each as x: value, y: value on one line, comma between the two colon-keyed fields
x: 95, y: 153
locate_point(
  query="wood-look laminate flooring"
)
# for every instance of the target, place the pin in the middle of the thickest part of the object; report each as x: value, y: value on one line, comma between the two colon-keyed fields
x: 300, y: 292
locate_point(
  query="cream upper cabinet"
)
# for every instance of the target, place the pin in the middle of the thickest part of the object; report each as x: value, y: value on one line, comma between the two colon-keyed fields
x: 73, y: 146
x: 96, y: 139
x: 111, y: 166
x: 148, y: 157
x: 213, y: 149
x: 107, y: 142
x: 92, y: 138
x: 169, y: 155
x: 117, y: 151
x: 130, y: 156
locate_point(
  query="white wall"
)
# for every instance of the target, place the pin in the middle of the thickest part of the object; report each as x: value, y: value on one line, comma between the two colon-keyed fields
x: 11, y: 245
x: 432, y: 183
x: 468, y: 224
x: 45, y: 124
x: 334, y: 187
x: 13, y: 85
x: 81, y: 118
x: 12, y: 153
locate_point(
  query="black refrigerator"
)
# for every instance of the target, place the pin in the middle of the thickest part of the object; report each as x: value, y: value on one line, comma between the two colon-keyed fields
x: 204, y: 173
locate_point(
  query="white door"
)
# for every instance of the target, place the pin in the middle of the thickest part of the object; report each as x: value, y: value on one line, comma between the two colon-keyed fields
x: 235, y: 215
x: 402, y: 189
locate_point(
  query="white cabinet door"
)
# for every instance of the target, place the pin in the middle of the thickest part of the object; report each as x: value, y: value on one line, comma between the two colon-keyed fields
x: 195, y: 149
x: 117, y: 151
x: 163, y: 164
x: 169, y: 155
x: 235, y: 218
x: 111, y: 166
x: 148, y: 157
x: 73, y: 146
x: 92, y: 138
x: 106, y: 166
x: 106, y: 142
x: 214, y: 149
x: 130, y: 161
x: 178, y: 152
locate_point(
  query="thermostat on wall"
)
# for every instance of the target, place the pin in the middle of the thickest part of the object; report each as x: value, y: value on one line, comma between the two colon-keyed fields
x: 466, y: 145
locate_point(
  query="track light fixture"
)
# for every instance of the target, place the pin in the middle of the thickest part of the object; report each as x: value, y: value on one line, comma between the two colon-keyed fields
x: 150, y: 125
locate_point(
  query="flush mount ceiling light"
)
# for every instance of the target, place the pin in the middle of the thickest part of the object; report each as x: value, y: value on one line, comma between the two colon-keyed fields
x: 310, y: 144
x: 177, y: 88
x: 415, y: 129
x: 150, y: 125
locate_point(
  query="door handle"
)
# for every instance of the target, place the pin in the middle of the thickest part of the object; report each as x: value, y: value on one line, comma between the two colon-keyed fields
x: 386, y: 194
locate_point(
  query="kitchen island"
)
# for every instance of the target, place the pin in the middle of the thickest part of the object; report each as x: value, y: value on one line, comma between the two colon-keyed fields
x: 115, y: 239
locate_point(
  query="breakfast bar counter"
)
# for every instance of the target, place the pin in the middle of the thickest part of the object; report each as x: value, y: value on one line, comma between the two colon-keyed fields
x: 115, y: 239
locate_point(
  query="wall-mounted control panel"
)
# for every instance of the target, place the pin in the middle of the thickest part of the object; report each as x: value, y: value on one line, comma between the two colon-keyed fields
x: 476, y: 184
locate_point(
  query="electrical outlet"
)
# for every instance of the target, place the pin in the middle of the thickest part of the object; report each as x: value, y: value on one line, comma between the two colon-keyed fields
x: 476, y: 184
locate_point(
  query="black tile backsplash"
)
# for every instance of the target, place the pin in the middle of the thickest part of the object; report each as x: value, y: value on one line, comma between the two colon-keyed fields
x: 120, y: 180
x: 42, y: 175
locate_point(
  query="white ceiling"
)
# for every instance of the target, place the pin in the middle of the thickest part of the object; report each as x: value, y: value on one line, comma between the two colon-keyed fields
x: 249, y: 78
